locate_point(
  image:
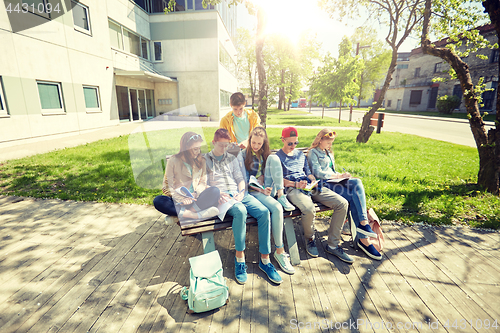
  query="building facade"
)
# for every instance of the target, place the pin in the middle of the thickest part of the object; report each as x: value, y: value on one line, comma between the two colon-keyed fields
x: 413, y: 87
x: 102, y: 62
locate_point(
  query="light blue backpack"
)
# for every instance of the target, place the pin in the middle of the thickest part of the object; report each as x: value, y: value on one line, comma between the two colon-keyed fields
x: 207, y: 289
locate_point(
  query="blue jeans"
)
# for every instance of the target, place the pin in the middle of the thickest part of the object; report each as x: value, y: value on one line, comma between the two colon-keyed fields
x: 273, y: 174
x: 165, y: 205
x: 353, y: 191
x: 239, y: 213
x: 276, y: 210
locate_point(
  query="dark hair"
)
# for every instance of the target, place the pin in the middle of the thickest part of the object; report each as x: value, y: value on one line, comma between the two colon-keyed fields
x: 264, y: 151
x: 187, y: 141
x: 237, y: 99
x: 221, y: 133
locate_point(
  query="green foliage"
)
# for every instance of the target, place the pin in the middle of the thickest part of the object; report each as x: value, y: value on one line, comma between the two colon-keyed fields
x: 446, y: 104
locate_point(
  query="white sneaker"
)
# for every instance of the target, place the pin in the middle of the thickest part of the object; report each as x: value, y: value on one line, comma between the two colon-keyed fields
x: 283, y: 260
x: 171, y: 220
x: 209, y: 212
x: 285, y: 203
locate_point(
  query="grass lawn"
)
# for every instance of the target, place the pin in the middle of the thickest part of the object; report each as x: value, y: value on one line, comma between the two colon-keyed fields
x: 296, y: 117
x: 406, y: 178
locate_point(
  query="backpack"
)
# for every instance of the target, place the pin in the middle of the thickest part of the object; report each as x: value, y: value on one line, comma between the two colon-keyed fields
x: 207, y: 289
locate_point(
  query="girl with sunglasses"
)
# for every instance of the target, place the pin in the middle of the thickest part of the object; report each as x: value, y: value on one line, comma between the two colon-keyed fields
x: 257, y: 161
x: 322, y: 165
x: 185, y: 189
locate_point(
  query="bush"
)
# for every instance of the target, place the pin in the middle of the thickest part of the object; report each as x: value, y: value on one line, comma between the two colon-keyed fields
x: 446, y: 104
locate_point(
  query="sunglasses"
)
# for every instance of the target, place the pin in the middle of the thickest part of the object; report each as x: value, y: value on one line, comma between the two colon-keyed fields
x: 195, y: 137
x: 292, y: 143
x: 329, y: 135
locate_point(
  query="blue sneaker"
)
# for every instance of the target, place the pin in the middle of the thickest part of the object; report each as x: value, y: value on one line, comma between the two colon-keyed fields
x: 366, y: 230
x: 285, y: 203
x: 240, y: 271
x: 370, y: 251
x: 311, y: 248
x: 271, y: 272
x: 339, y: 252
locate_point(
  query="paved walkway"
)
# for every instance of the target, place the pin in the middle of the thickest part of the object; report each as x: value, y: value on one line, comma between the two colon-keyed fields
x: 92, y: 267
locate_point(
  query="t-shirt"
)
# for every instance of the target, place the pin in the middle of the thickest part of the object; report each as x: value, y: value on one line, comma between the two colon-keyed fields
x: 241, y: 127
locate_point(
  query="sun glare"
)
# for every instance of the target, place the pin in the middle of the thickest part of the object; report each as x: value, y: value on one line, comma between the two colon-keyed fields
x: 291, y: 17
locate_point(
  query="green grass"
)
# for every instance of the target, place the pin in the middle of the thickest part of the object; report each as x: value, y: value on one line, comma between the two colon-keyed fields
x: 406, y: 178
x: 301, y: 118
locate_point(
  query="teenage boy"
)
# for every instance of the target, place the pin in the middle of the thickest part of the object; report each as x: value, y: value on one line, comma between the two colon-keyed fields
x: 297, y: 176
x: 239, y: 121
x: 224, y: 172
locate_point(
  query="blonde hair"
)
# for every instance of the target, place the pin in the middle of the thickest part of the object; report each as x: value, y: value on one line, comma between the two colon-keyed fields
x: 321, y: 136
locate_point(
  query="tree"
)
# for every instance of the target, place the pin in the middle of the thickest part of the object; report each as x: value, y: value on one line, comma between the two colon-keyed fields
x: 335, y: 80
x: 376, y: 58
x: 400, y: 16
x: 451, y: 18
x: 247, y: 65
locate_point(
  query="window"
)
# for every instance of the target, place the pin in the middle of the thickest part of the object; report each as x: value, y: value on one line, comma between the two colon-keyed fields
x: 131, y: 42
x: 51, y: 99
x: 489, y: 96
x: 39, y: 7
x: 115, y: 35
x: 389, y: 102
x: 3, y: 106
x: 415, y: 97
x: 494, y: 56
x: 417, y: 72
x: 158, y: 56
x: 92, y: 102
x: 402, y: 66
x: 224, y: 98
x: 145, y: 48
x: 81, y: 17
x: 437, y: 67
x: 226, y: 61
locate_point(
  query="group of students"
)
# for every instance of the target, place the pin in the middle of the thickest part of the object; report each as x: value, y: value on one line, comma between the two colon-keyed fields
x: 285, y: 179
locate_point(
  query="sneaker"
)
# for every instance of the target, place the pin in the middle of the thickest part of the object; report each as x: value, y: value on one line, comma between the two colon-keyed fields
x: 171, y: 220
x: 285, y: 203
x: 311, y: 248
x: 240, y: 271
x: 370, y: 251
x: 283, y: 260
x: 366, y: 230
x: 339, y: 252
x: 209, y: 212
x: 271, y: 272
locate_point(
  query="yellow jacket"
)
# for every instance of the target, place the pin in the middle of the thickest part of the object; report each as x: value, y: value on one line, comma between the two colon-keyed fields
x: 227, y: 122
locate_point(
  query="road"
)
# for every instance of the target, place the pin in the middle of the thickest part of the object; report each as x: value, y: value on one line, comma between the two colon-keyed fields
x: 444, y: 129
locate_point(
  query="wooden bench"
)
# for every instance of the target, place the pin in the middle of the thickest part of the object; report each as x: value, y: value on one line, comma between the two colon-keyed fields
x: 377, y: 120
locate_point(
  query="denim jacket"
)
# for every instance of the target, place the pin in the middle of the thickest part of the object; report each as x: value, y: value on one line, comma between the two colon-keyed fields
x: 319, y: 162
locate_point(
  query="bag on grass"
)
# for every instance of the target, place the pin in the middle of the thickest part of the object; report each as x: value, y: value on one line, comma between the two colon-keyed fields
x: 207, y: 289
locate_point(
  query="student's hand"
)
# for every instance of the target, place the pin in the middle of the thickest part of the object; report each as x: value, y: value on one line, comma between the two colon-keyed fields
x: 224, y: 197
x: 187, y: 201
x: 239, y: 196
x: 243, y: 145
x: 302, y: 184
x: 267, y: 191
x: 345, y: 175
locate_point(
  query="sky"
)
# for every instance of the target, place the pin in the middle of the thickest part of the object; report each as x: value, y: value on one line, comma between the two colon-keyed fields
x: 291, y: 20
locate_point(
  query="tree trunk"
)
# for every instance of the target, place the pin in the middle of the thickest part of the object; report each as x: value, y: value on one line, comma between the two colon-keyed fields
x: 261, y: 23
x: 281, y: 92
x: 360, y: 89
x: 366, y: 131
x: 291, y: 86
x: 252, y: 91
x: 492, y: 7
x: 340, y: 110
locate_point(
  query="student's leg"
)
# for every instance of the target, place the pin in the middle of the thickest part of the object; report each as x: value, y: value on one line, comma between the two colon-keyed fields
x: 239, y: 213
x: 165, y: 205
x: 273, y: 174
x: 276, y: 211
x: 261, y: 213
x: 306, y: 206
x: 339, y: 205
x: 208, y: 198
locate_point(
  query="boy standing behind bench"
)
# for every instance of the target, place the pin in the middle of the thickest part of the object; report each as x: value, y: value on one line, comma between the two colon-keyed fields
x: 297, y: 176
x: 224, y: 172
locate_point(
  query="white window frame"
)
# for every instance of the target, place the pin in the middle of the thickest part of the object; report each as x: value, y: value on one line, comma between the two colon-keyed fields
x: 153, y: 58
x: 4, y: 112
x: 60, y: 92
x: 93, y: 110
x: 87, y: 10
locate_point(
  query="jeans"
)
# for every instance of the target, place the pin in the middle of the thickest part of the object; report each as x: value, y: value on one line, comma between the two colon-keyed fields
x: 273, y: 174
x: 208, y: 198
x: 353, y: 191
x: 239, y: 213
x: 165, y: 205
x: 276, y: 211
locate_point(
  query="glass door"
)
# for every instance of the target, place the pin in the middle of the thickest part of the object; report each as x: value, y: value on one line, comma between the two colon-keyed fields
x: 141, y: 98
x: 134, y: 103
